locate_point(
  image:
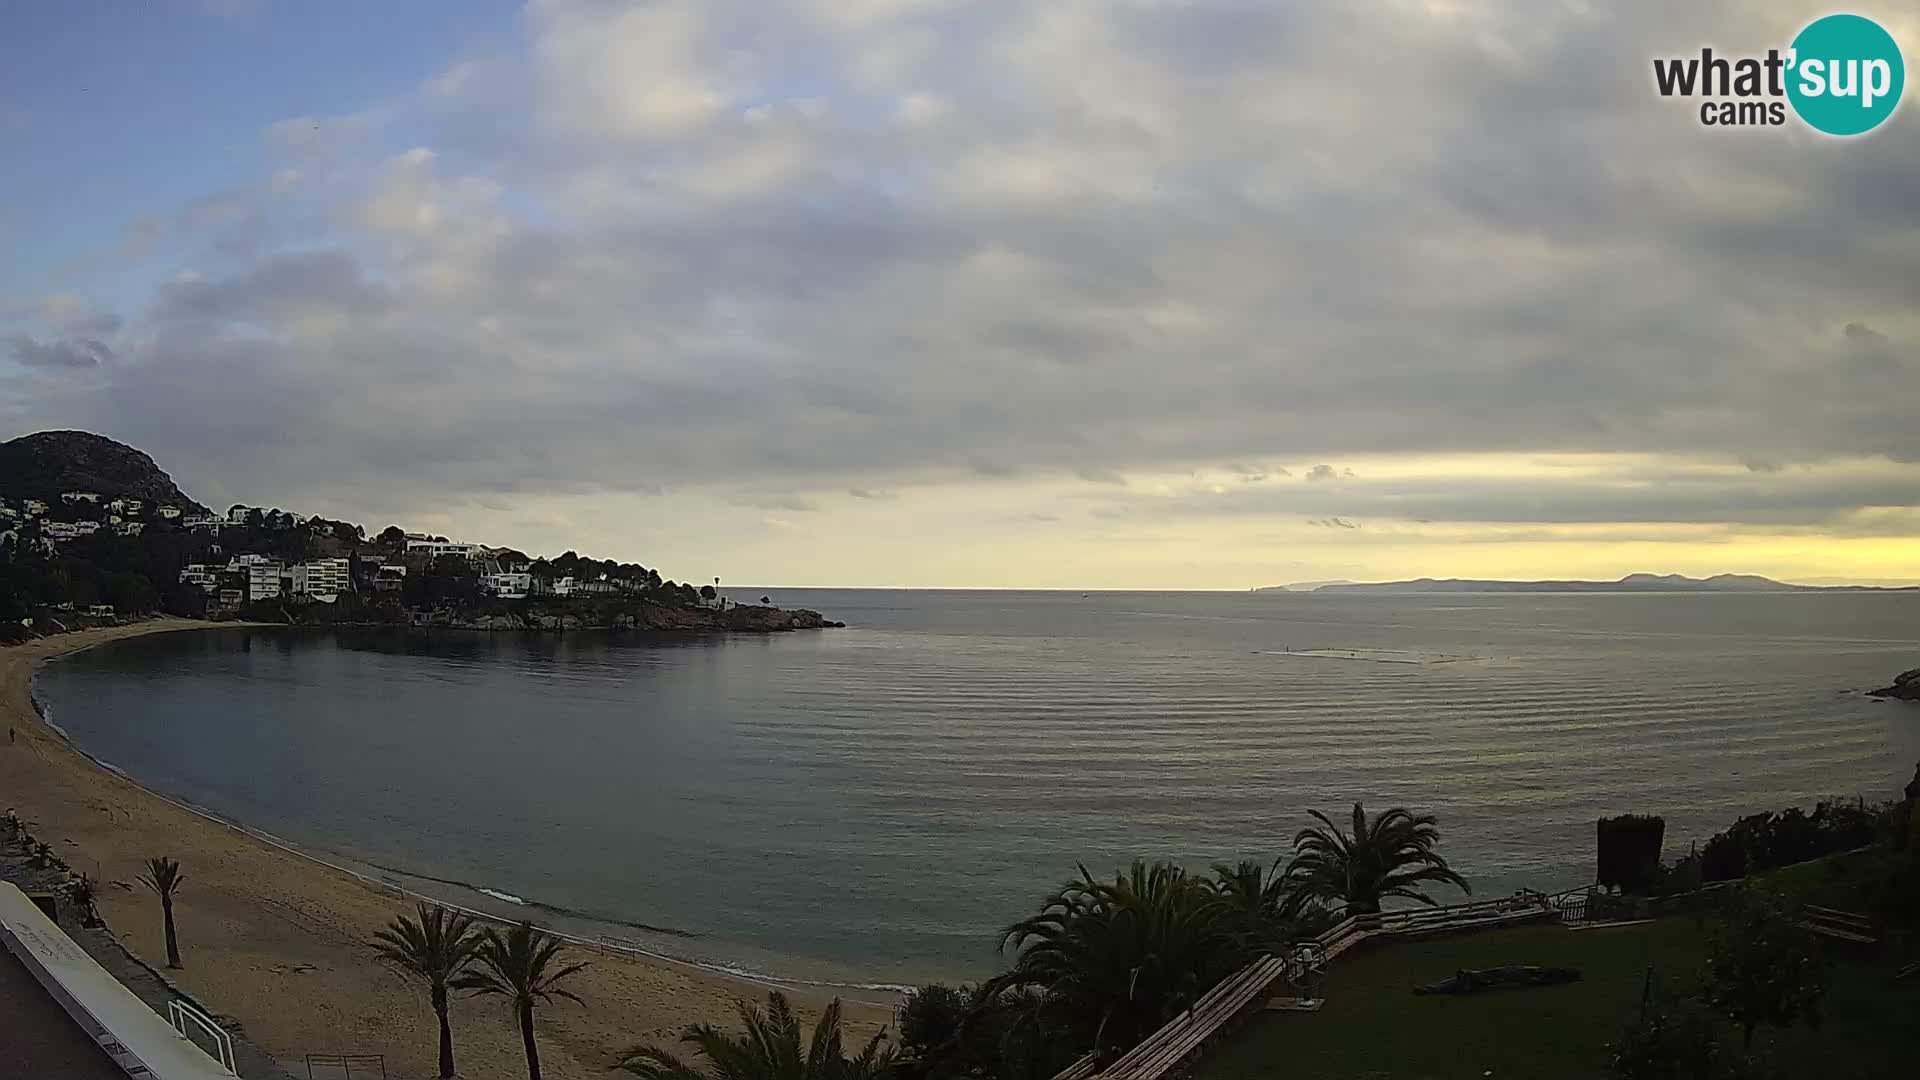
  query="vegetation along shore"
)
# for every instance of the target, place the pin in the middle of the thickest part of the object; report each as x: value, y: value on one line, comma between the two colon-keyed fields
x: 92, y: 530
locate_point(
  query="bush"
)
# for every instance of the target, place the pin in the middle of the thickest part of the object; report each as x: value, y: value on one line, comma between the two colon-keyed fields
x: 1771, y: 840
x: 931, y: 1019
x: 1672, y: 1041
x: 1629, y: 851
x: 1762, y: 965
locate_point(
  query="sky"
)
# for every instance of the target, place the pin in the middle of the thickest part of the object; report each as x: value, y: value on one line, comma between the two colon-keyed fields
x: 1202, y: 294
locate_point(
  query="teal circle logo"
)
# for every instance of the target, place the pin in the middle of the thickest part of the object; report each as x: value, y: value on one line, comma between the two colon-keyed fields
x: 1846, y: 75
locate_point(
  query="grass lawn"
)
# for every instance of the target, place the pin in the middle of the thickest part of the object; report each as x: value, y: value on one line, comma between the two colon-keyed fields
x: 1373, y: 1026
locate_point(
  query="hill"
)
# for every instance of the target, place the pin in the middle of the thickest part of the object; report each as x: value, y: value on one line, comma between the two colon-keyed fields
x: 1632, y: 583
x: 46, y: 463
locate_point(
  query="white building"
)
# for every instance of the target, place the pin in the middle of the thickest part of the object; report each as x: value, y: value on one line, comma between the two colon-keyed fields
x: 71, y: 497
x: 169, y: 512
x: 203, y: 522
x: 129, y: 528
x: 437, y: 548
x: 34, y: 507
x: 134, y: 506
x: 201, y: 575
x: 556, y: 587
x: 68, y: 530
x: 322, y: 579
x: 509, y: 585
x: 237, y: 514
x: 390, y: 578
x: 263, y: 575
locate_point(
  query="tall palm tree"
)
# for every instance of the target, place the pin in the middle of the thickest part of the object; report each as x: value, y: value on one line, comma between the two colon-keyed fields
x: 769, y: 1049
x: 436, y: 947
x: 1388, y: 856
x: 1270, y: 913
x: 1121, y: 958
x: 522, y: 965
x: 163, y: 876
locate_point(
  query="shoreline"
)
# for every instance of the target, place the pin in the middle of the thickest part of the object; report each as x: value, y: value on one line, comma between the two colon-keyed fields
x: 275, y: 936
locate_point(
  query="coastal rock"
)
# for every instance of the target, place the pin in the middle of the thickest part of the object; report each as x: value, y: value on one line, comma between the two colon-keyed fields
x: 1906, y: 687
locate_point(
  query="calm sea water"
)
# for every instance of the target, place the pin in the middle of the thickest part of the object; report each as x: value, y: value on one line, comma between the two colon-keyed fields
x: 870, y: 804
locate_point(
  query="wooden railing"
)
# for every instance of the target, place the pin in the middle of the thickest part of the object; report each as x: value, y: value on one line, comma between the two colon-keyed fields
x: 1246, y: 990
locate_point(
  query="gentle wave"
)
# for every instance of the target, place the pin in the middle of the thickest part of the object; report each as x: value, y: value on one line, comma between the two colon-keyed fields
x: 875, y: 803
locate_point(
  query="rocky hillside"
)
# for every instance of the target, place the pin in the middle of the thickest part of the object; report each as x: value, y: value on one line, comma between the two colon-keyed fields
x: 1906, y: 687
x: 46, y: 463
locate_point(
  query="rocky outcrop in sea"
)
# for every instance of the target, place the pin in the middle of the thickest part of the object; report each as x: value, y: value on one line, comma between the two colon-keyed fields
x: 1906, y: 687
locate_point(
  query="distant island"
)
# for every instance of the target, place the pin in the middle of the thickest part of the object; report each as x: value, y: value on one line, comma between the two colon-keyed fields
x: 1632, y: 583
x: 92, y: 531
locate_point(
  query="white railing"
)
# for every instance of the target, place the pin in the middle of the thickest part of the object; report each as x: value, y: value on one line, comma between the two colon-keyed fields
x: 182, y: 1014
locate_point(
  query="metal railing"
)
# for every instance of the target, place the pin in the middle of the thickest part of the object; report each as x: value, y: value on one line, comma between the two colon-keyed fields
x: 350, y: 1065
x: 184, y: 1015
x: 1304, y: 966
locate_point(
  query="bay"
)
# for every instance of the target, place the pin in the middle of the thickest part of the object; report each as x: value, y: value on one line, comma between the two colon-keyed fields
x: 870, y: 805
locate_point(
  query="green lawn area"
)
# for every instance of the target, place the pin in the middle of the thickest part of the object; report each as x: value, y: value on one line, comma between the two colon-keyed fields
x: 1373, y: 1026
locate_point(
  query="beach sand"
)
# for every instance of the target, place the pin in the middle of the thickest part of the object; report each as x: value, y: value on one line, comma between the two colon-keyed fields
x: 279, y: 942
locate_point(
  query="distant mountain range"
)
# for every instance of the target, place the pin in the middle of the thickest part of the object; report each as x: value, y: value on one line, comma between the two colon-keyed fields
x: 1632, y: 583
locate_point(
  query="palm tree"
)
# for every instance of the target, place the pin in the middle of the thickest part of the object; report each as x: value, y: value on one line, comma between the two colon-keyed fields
x: 523, y: 966
x: 436, y: 947
x: 1118, y: 959
x: 1269, y: 911
x: 1388, y: 856
x: 163, y: 876
x: 769, y: 1049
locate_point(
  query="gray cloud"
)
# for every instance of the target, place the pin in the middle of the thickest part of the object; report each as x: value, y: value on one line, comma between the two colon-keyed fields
x: 1179, y: 248
x: 70, y: 353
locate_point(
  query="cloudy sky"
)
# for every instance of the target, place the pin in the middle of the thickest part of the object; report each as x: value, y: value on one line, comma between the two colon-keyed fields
x: 1137, y: 293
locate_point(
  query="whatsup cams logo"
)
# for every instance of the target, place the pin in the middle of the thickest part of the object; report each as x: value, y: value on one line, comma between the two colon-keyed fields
x: 1842, y: 75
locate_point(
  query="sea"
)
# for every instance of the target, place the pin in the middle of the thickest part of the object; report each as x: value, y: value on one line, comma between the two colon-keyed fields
x: 872, y: 806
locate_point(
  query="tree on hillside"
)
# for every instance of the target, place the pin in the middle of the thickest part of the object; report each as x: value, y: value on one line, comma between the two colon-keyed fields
x: 1122, y: 957
x: 522, y: 965
x: 435, y: 947
x: 1390, y: 856
x: 768, y: 1048
x: 393, y: 536
x: 163, y: 876
x: 1762, y: 965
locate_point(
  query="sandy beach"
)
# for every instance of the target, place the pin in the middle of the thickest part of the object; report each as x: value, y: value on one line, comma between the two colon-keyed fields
x: 279, y: 942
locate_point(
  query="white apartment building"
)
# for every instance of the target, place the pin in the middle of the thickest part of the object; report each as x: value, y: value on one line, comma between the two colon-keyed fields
x: 201, y: 575
x: 34, y: 507
x: 169, y: 512
x: 71, y: 497
x: 322, y: 579
x: 263, y: 575
x: 129, y: 528
x: 510, y: 585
